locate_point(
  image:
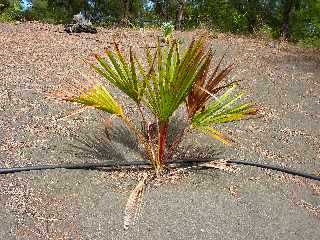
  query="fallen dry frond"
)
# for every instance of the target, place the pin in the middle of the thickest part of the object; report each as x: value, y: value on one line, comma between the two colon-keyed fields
x: 222, y: 165
x: 315, y: 210
x: 134, y: 202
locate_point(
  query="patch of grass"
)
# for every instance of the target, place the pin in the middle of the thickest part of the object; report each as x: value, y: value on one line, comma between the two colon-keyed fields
x: 311, y: 42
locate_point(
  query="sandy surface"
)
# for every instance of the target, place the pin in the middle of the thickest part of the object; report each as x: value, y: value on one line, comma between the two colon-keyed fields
x: 65, y: 204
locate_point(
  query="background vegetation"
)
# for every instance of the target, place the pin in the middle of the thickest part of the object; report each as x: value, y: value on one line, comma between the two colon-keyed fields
x: 295, y: 20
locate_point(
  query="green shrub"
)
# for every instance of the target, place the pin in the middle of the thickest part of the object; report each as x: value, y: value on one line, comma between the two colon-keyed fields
x: 266, y: 32
x: 239, y: 23
x: 313, y: 42
x: 11, y: 11
x: 167, y: 30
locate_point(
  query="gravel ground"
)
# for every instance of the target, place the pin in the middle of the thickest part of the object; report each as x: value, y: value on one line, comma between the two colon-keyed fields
x: 67, y: 204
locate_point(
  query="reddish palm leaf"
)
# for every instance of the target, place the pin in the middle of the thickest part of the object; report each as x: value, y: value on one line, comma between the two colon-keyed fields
x: 206, y: 87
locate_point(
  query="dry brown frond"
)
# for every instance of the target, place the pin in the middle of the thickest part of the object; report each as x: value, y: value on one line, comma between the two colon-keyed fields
x: 222, y: 165
x: 134, y: 203
x: 315, y: 210
x: 74, y: 88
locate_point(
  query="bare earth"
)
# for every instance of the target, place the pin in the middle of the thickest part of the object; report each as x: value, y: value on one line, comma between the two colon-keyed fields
x: 68, y: 204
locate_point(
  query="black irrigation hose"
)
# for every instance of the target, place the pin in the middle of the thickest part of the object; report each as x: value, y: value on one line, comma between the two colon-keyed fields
x: 93, y: 166
x: 146, y: 165
x: 280, y: 169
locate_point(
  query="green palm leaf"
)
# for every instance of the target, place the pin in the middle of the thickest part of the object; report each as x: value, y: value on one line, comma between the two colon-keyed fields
x: 223, y: 109
x: 121, y: 73
x: 215, y: 134
x: 99, y: 98
x: 171, y: 77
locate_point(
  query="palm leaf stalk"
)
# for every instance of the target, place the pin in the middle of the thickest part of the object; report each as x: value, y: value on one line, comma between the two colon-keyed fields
x: 168, y: 80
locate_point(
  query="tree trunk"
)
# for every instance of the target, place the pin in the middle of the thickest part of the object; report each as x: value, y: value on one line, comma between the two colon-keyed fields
x: 127, y: 8
x: 288, y: 6
x: 158, y: 8
x: 126, y: 5
x: 180, y: 11
x: 252, y: 14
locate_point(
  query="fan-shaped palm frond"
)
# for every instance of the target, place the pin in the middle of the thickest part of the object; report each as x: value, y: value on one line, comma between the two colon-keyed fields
x: 171, y: 76
x: 121, y: 73
x: 94, y: 94
x: 223, y: 109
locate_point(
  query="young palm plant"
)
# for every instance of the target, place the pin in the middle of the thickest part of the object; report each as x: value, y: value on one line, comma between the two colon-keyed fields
x: 169, y: 79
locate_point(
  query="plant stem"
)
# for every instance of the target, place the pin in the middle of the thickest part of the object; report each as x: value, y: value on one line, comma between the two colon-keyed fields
x: 162, y: 140
x: 145, y: 125
x: 144, y: 121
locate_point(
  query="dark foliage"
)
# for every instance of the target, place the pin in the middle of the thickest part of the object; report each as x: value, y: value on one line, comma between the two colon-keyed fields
x: 296, y: 20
